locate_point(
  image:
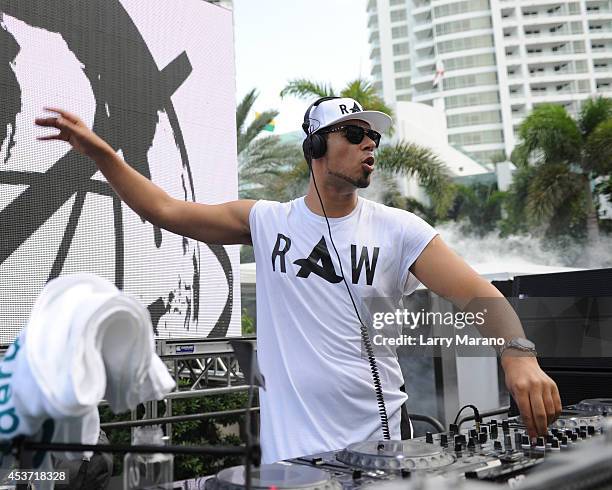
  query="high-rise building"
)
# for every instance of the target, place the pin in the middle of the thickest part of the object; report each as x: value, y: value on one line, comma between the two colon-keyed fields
x: 500, y: 58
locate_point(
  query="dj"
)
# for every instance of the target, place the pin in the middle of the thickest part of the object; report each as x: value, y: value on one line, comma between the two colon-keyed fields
x: 319, y: 393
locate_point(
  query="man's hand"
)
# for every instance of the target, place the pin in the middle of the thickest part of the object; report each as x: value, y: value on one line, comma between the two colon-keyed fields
x: 536, y: 395
x: 75, y: 132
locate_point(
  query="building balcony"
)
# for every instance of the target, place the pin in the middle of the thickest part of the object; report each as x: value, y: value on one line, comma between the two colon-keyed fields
x: 598, y: 33
x: 422, y: 28
x: 421, y: 10
x: 562, y: 15
x: 545, y: 34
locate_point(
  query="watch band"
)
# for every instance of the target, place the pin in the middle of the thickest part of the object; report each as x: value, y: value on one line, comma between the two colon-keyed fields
x: 517, y: 343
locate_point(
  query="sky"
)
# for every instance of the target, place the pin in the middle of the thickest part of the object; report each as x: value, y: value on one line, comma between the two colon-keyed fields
x: 280, y: 40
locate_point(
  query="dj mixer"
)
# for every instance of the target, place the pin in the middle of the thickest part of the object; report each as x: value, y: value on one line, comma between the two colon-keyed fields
x: 498, y: 452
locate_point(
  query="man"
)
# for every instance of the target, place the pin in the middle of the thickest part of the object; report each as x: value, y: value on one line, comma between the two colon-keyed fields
x: 319, y: 388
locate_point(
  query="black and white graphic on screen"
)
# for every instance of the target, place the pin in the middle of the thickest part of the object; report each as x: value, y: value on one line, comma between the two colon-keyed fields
x: 58, y: 214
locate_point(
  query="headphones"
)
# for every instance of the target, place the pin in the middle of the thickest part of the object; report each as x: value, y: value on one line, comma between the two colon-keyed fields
x: 315, y: 145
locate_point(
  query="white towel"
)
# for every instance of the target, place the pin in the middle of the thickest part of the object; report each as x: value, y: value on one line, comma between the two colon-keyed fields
x: 85, y: 341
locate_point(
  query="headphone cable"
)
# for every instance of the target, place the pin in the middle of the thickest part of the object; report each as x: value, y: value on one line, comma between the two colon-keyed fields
x: 365, y: 337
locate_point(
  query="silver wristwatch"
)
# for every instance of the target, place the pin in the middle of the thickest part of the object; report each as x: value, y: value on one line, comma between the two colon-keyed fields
x: 521, y: 344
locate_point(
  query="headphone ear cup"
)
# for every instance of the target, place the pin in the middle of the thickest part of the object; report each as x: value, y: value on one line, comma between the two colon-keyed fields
x: 318, y: 145
x: 307, y: 149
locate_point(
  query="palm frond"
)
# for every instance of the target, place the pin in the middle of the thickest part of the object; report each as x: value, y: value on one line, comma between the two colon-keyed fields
x: 598, y: 149
x: 593, y: 112
x: 550, y: 135
x: 551, y: 186
x: 305, y: 89
x: 256, y: 127
x: 243, y: 109
x: 414, y: 160
x: 364, y: 92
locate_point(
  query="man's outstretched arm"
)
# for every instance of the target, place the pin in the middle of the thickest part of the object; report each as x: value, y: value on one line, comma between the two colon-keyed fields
x: 226, y: 223
x: 447, y: 274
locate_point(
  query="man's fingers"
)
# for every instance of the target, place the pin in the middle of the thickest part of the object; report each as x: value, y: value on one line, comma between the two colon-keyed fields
x: 522, y: 401
x: 556, y: 397
x: 68, y: 115
x: 538, y: 410
x: 550, y: 407
x: 46, y: 121
x: 50, y: 137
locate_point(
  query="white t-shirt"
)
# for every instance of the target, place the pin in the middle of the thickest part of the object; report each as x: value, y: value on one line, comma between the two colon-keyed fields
x: 319, y: 392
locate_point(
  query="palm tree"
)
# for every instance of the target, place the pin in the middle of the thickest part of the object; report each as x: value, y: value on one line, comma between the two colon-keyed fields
x: 268, y: 168
x: 566, y: 155
x: 399, y: 158
x: 245, y: 136
x: 479, y: 206
x: 360, y: 90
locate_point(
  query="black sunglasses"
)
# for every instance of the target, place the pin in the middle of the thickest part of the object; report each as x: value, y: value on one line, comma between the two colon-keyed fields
x: 355, y: 134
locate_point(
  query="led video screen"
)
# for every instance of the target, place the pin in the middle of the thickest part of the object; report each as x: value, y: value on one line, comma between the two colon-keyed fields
x: 156, y: 80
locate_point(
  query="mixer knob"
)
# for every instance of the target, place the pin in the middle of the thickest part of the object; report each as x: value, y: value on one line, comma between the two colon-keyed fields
x: 444, y: 440
x: 583, y: 434
x: 525, y: 444
x: 505, y: 425
x: 583, y: 428
x: 473, y: 433
x: 549, y: 439
x: 518, y: 438
x: 471, y: 445
x: 554, y: 431
x: 497, y: 446
x: 428, y: 437
x: 484, y: 429
x: 405, y: 473
x: 591, y: 430
x: 494, y: 432
x: 357, y: 474
x: 457, y: 447
x: 569, y: 432
x: 493, y: 422
x: 564, y: 441
x: 453, y: 429
x: 482, y: 438
x: 574, y: 437
x: 555, y: 444
x: 540, y: 442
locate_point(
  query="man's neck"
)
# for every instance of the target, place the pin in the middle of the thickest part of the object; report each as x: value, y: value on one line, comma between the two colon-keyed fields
x: 337, y: 203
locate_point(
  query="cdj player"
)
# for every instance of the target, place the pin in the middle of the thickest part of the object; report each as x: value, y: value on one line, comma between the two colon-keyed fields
x: 497, y: 452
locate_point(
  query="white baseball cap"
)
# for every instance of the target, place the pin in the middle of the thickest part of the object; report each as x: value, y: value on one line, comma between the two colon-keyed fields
x: 334, y: 111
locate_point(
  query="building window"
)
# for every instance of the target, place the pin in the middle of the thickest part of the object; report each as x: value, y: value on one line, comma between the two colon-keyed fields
x: 469, y: 62
x: 401, y: 65
x: 465, y: 43
x: 476, y: 138
x: 473, y: 119
x: 464, y: 25
x: 402, y: 83
x: 399, y: 31
x: 398, y: 15
x: 401, y: 48
x: 461, y: 8
x: 474, y: 80
x: 467, y: 100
